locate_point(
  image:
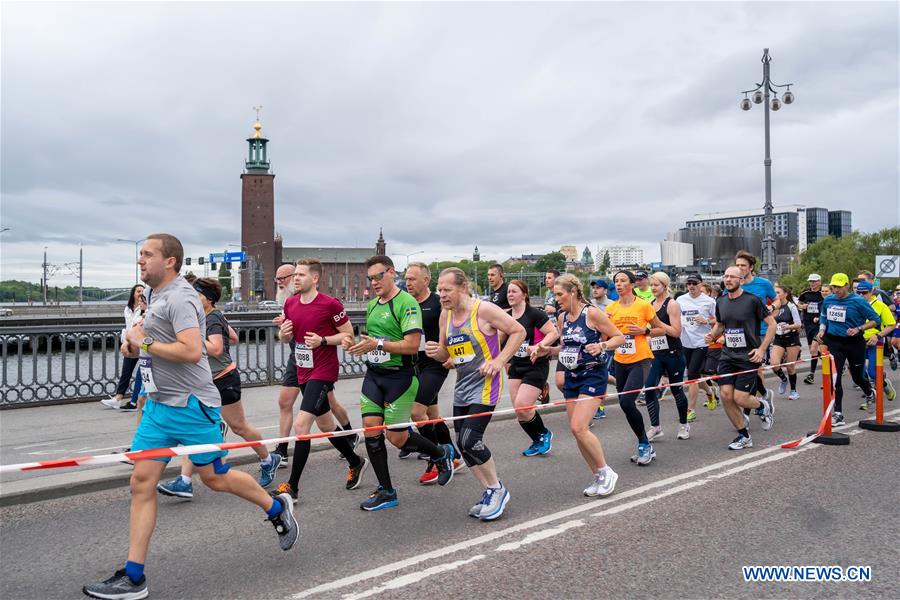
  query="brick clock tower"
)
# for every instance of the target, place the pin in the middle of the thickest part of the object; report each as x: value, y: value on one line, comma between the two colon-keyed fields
x: 258, y: 220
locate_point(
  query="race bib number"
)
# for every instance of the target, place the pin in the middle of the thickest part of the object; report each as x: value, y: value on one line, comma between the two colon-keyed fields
x: 837, y: 314
x: 377, y: 357
x: 812, y: 307
x: 146, y: 365
x: 568, y: 357
x: 735, y: 338
x: 460, y: 349
x: 779, y: 329
x: 303, y: 356
x: 629, y: 347
x: 659, y: 343
x: 522, y: 352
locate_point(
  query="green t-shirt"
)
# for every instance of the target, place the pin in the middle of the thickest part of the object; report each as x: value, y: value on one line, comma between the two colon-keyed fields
x: 391, y: 321
x: 644, y: 295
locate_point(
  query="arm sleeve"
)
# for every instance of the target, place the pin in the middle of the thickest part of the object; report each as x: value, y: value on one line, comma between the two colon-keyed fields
x: 410, y: 315
x: 795, y: 314
x: 184, y: 314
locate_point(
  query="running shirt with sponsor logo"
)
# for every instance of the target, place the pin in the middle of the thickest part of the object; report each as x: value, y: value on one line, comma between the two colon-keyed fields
x: 701, y: 307
x: 499, y: 298
x: 469, y: 349
x: 787, y: 315
x: 636, y: 347
x: 532, y: 320
x: 841, y: 314
x: 391, y: 321
x: 171, y: 310
x: 740, y: 317
x: 322, y: 317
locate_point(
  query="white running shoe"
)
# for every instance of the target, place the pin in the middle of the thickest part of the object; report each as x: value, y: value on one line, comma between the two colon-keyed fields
x: 795, y: 395
x: 111, y: 402
x: 684, y: 432
x: 654, y: 433
x: 604, y: 483
x: 741, y: 442
x: 783, y: 388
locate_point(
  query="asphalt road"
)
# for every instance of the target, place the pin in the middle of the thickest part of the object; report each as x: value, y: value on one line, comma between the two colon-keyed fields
x: 681, y: 527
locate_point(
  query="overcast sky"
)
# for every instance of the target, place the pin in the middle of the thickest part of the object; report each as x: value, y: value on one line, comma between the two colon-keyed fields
x: 516, y: 127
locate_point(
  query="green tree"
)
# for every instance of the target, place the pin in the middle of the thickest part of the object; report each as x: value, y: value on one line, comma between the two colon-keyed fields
x: 847, y: 254
x: 605, y: 263
x: 225, y: 281
x: 551, y: 261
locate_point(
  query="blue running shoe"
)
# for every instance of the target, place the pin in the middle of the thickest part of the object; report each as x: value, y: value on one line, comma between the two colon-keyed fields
x: 380, y: 498
x: 546, y: 443
x: 267, y: 473
x: 445, y: 465
x: 176, y: 487
x: 533, y: 450
x: 601, y: 413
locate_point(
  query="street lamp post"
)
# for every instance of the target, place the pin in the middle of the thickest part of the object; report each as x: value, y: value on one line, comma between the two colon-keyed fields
x: 136, y: 244
x: 412, y: 254
x: 761, y: 96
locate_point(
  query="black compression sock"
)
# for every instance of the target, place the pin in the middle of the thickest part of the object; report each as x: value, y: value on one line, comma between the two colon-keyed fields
x: 347, y: 426
x: 792, y: 377
x: 301, y: 455
x: 534, y: 428
x: 282, y: 449
x: 442, y: 433
x: 379, y: 459
x: 780, y: 373
x: 429, y: 433
x: 343, y: 445
x: 419, y: 443
x: 812, y: 365
x: 744, y: 432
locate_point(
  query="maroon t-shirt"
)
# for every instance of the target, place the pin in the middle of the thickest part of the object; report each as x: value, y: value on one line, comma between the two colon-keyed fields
x: 322, y: 316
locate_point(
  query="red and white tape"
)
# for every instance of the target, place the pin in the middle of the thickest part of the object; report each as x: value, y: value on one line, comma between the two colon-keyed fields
x: 828, y: 410
x: 105, y: 459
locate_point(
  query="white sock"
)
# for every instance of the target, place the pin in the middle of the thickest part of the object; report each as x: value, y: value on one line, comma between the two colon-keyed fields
x: 266, y: 461
x: 495, y: 487
x: 185, y: 479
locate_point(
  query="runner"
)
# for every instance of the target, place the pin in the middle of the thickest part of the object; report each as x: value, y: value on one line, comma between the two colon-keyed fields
x: 600, y: 294
x: 738, y: 316
x: 134, y: 311
x: 550, y: 306
x: 698, y: 311
x: 895, y: 337
x: 634, y: 318
x: 528, y: 373
x: 786, y: 347
x: 183, y: 408
x: 872, y: 336
x: 431, y: 374
x: 499, y: 287
x: 290, y: 388
x: 227, y: 379
x: 841, y: 320
x: 879, y: 293
x: 763, y: 289
x: 474, y: 346
x: 317, y: 324
x: 642, y: 286
x: 809, y: 301
x: 391, y: 347
x: 583, y: 355
x: 668, y: 358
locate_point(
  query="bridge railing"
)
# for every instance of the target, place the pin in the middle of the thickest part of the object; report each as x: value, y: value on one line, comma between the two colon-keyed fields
x: 56, y: 364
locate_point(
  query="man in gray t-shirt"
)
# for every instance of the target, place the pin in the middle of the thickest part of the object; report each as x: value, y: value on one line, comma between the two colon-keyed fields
x: 171, y: 310
x: 183, y: 409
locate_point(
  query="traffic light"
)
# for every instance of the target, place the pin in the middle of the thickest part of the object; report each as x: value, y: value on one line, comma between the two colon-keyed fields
x: 244, y: 266
x: 228, y: 266
x: 212, y: 266
x: 187, y: 261
x: 201, y: 260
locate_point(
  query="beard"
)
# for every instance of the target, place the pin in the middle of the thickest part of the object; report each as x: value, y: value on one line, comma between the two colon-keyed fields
x: 283, y: 294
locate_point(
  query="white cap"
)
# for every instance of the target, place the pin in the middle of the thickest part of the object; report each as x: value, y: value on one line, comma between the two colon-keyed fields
x: 814, y: 277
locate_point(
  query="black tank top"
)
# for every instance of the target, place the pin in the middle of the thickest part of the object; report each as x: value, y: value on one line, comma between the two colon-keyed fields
x: 671, y: 345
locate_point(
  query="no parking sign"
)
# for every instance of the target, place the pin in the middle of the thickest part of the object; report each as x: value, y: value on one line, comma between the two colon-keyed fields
x: 887, y: 266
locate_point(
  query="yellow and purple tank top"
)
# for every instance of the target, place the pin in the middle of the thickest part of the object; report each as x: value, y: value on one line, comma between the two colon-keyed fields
x: 469, y: 348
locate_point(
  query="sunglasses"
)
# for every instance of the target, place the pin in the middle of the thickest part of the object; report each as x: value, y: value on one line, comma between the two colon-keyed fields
x: 377, y: 276
x: 693, y: 283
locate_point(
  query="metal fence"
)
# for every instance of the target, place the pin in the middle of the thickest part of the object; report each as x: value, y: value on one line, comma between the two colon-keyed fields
x: 77, y: 363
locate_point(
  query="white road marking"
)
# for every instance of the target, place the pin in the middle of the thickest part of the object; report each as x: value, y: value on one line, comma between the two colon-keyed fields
x: 758, y: 457
x: 33, y: 445
x: 404, y: 580
x: 539, y: 535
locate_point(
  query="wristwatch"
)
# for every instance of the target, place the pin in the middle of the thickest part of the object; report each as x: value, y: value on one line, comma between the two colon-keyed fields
x: 380, y: 346
x: 324, y: 341
x: 649, y: 327
x: 145, y: 343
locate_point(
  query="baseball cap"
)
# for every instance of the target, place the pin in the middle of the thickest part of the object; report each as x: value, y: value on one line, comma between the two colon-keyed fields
x: 600, y: 283
x: 695, y: 277
x: 864, y: 286
x: 814, y: 277
x: 839, y: 279
x: 640, y: 274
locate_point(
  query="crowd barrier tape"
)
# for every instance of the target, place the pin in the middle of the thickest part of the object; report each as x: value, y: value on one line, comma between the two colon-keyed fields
x: 105, y: 459
x: 827, y: 391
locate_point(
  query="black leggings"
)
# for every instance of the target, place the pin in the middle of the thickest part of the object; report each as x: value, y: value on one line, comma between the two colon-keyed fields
x: 632, y: 377
x: 850, y: 350
x: 128, y: 365
x: 673, y: 366
x: 470, y: 433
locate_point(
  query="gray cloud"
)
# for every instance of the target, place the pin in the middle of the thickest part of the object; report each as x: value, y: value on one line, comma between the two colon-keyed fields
x: 516, y: 127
